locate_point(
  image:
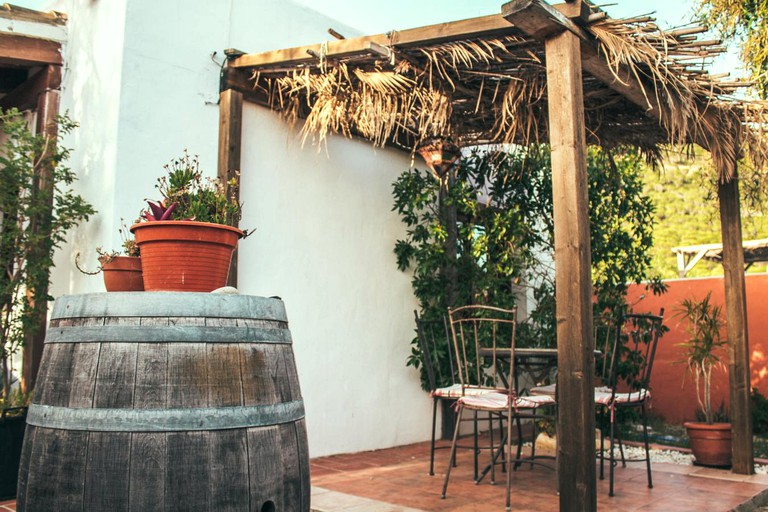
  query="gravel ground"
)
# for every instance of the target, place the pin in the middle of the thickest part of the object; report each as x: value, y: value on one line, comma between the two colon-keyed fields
x: 674, y: 457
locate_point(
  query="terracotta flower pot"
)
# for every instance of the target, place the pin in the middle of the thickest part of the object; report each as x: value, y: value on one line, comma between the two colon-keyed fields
x: 123, y: 274
x: 711, y: 444
x: 187, y: 256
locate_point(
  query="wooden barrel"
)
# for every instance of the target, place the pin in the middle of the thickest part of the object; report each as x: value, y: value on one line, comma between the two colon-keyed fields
x: 166, y: 401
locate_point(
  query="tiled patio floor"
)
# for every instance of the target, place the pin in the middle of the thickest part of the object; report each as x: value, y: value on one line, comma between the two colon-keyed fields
x: 397, y: 481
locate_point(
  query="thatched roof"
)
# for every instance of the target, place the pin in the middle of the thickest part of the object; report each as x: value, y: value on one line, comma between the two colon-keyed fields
x: 484, y: 81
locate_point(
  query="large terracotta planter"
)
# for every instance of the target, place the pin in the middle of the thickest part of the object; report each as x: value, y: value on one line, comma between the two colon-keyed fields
x: 711, y: 444
x: 123, y: 274
x: 185, y: 255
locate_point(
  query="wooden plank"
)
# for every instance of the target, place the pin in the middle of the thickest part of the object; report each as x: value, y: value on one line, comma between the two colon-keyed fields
x: 148, y: 450
x: 188, y: 472
x: 258, y: 386
x: 286, y: 377
x: 225, y: 387
x: 736, y: 321
x: 116, y: 376
x: 57, y: 463
x: 22, y: 50
x: 492, y: 25
x: 539, y: 19
x: 151, y: 390
x: 303, y: 453
x: 187, y: 375
x: 265, y: 468
x: 55, y: 389
x: 148, y: 471
x: 107, y: 471
x: 26, y: 454
x: 229, y: 482
x: 573, y: 284
x: 85, y: 359
x: 291, y: 467
x: 230, y: 140
x: 26, y: 94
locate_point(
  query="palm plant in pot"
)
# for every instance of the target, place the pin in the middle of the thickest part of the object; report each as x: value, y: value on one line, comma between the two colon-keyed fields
x: 710, y: 440
x: 187, y: 238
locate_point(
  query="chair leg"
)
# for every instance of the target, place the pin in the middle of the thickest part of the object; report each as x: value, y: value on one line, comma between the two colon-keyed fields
x: 432, y: 445
x: 491, y: 450
x: 533, y: 440
x: 645, y: 439
x: 453, y: 450
x: 519, y: 442
x: 509, y: 456
x: 612, y: 464
x: 602, y: 443
x: 475, y: 447
x: 501, y: 440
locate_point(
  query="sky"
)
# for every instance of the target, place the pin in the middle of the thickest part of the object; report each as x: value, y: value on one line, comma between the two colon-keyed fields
x: 376, y: 17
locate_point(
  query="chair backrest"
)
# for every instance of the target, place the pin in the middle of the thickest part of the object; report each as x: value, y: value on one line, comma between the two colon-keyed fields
x: 634, y: 349
x: 479, y: 334
x: 436, y: 345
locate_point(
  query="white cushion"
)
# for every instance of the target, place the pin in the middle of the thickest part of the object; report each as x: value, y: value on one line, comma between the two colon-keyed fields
x: 455, y: 391
x: 603, y: 396
x: 500, y: 401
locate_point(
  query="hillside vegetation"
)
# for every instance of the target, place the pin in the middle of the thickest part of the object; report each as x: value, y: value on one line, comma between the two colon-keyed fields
x: 684, y: 192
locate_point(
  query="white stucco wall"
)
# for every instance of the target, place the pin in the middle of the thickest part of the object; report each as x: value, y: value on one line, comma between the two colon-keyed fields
x: 142, y: 81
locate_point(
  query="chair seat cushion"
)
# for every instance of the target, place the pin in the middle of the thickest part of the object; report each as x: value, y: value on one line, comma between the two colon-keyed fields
x: 454, y: 391
x: 500, y: 401
x: 603, y: 396
x: 549, y: 390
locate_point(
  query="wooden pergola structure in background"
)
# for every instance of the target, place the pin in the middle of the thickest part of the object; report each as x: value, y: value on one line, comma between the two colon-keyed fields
x: 567, y: 74
x: 755, y: 251
x: 30, y: 79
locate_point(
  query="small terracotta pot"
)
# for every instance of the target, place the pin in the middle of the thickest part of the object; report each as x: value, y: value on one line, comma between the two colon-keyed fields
x: 123, y: 274
x: 178, y: 255
x: 710, y: 444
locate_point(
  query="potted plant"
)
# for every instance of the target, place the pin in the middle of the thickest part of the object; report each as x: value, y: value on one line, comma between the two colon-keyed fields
x: 710, y: 440
x: 188, y: 237
x: 121, y: 270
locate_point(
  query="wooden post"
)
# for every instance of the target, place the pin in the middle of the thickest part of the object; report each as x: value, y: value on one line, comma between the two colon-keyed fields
x: 736, y: 320
x: 573, y: 283
x: 47, y: 110
x: 230, y: 135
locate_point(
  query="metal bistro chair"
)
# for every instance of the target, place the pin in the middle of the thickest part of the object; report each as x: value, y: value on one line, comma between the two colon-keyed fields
x: 431, y: 335
x: 628, y: 355
x: 473, y: 329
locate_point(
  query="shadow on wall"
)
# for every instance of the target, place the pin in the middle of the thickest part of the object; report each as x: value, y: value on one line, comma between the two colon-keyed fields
x: 674, y: 395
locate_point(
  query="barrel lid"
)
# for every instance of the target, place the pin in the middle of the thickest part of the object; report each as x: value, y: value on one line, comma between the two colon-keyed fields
x: 171, y: 304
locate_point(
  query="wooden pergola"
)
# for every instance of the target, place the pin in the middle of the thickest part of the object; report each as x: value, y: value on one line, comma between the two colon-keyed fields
x: 566, y: 74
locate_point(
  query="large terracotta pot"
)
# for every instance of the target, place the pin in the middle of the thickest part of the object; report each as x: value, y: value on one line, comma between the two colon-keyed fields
x: 711, y: 444
x: 185, y: 256
x: 123, y: 274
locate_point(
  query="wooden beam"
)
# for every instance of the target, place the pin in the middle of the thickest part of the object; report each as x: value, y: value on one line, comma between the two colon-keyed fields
x: 230, y: 138
x: 573, y: 282
x: 27, y: 95
x: 736, y: 321
x: 540, y: 20
x: 47, y: 110
x: 29, y: 50
x: 493, y: 25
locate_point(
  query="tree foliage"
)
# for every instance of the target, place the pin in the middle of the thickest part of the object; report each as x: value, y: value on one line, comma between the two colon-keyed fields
x: 506, y: 246
x: 34, y: 219
x: 745, y: 21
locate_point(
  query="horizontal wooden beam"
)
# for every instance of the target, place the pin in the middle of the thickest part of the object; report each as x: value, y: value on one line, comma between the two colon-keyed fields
x: 493, y: 25
x: 540, y: 20
x: 28, y: 51
x: 26, y: 95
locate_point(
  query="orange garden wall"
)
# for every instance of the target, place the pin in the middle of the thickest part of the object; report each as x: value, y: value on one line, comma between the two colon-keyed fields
x: 673, y: 395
